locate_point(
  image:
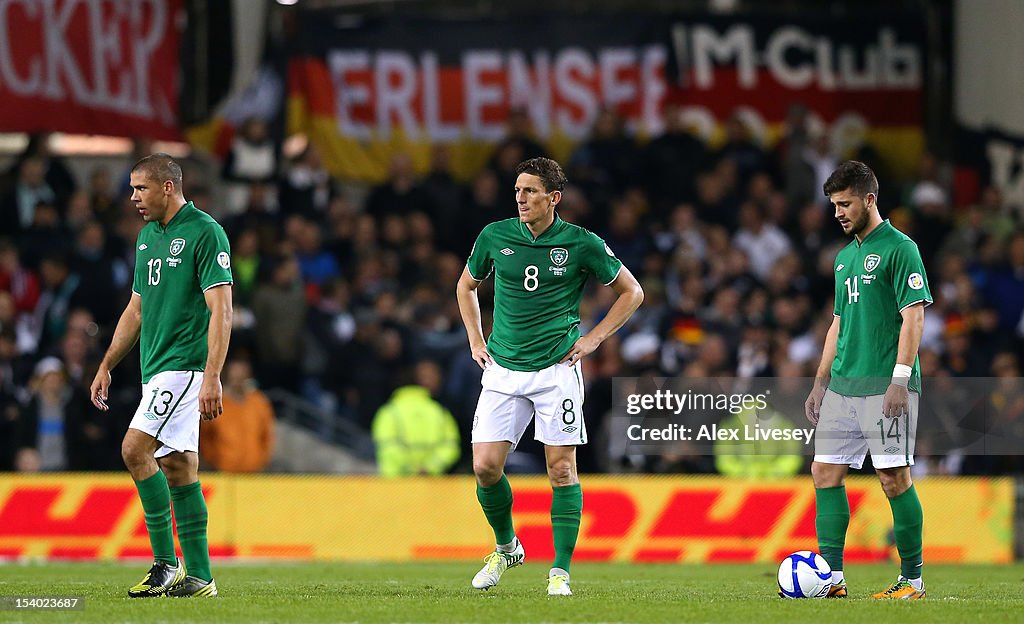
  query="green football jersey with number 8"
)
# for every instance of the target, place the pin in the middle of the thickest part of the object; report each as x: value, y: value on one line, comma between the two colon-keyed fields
x: 174, y: 266
x: 875, y: 279
x: 538, y: 284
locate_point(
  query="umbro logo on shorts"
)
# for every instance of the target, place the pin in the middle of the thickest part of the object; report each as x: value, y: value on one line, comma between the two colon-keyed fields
x: 151, y: 416
x: 569, y: 429
x: 507, y: 252
x: 892, y: 449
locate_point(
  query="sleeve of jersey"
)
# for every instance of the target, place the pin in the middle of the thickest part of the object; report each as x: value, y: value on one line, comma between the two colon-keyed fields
x: 837, y: 299
x: 600, y: 260
x: 480, y: 263
x: 909, y: 281
x: 213, y: 258
x: 137, y: 276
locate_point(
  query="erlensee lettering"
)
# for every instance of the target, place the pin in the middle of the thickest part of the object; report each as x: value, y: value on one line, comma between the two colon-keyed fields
x: 714, y: 433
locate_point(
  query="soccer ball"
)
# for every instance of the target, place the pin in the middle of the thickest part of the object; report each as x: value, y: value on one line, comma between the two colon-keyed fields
x: 804, y: 574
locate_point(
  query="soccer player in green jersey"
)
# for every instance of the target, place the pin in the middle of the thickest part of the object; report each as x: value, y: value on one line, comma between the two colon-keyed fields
x: 867, y: 388
x: 180, y: 311
x: 532, y: 359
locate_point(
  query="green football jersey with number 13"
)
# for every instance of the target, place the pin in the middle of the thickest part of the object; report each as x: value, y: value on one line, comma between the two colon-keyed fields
x: 538, y: 284
x: 875, y: 279
x: 174, y: 266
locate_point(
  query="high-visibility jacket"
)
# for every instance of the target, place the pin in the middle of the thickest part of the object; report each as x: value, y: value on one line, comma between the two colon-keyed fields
x: 414, y: 435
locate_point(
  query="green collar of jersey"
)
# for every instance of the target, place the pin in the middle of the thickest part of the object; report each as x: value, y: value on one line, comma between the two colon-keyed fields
x: 884, y: 225
x: 556, y: 225
x: 188, y: 207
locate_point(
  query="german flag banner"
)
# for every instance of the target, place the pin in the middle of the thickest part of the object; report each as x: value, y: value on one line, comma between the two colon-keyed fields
x: 363, y: 88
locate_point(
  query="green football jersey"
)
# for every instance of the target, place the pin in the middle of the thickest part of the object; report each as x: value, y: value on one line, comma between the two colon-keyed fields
x: 875, y: 279
x: 174, y: 266
x: 538, y: 284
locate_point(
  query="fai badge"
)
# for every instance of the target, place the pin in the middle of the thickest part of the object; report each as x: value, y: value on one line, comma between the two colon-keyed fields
x: 871, y: 262
x: 177, y: 246
x: 559, y: 256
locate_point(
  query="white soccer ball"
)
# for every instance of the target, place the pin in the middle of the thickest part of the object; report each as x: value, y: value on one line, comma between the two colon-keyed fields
x: 805, y: 574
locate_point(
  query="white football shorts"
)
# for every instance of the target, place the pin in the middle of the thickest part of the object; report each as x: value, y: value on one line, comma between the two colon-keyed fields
x: 850, y: 427
x: 169, y: 411
x: 510, y: 400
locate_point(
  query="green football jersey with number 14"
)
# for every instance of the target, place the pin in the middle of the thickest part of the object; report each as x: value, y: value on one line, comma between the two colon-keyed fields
x: 174, y: 266
x: 875, y: 279
x: 538, y: 284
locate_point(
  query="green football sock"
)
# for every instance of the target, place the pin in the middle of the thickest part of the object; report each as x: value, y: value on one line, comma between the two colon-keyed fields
x: 908, y: 526
x: 191, y: 515
x: 831, y: 520
x: 566, y: 509
x: 156, y: 507
x: 496, y: 501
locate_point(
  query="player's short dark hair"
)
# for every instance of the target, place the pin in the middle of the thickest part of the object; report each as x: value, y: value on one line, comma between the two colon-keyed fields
x: 853, y: 175
x: 160, y: 167
x: 549, y: 172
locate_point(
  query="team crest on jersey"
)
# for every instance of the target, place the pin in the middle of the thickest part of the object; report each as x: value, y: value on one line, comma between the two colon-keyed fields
x: 915, y: 281
x: 559, y: 256
x: 177, y: 246
x: 871, y: 262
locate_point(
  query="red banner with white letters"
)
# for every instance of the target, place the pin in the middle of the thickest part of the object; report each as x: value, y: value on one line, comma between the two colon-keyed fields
x: 91, y: 66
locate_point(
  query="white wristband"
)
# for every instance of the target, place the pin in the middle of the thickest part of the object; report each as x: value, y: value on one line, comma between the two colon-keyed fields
x: 901, y: 374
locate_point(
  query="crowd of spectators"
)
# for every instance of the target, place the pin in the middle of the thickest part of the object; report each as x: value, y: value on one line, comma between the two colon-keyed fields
x: 340, y: 289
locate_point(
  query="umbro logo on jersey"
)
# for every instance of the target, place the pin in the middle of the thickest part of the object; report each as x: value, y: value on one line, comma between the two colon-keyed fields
x: 507, y: 252
x: 840, y: 267
x: 143, y: 247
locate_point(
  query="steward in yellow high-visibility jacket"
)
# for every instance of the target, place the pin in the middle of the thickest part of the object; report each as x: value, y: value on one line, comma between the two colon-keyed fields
x: 760, y: 459
x: 414, y: 435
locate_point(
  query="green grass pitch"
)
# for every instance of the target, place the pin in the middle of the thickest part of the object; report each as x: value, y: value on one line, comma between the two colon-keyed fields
x: 424, y: 592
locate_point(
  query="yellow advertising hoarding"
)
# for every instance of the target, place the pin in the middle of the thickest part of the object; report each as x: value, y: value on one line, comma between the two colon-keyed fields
x: 632, y: 519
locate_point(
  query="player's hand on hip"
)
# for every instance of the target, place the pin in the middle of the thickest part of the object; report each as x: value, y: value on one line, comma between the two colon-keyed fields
x: 812, y: 406
x: 583, y: 347
x: 896, y: 401
x: 481, y: 356
x: 99, y: 389
x: 210, y: 395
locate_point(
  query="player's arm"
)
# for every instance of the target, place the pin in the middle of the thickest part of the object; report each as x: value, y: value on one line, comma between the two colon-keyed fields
x: 218, y: 300
x: 126, y: 334
x: 812, y: 407
x: 469, y: 308
x: 897, y: 398
x: 630, y: 296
